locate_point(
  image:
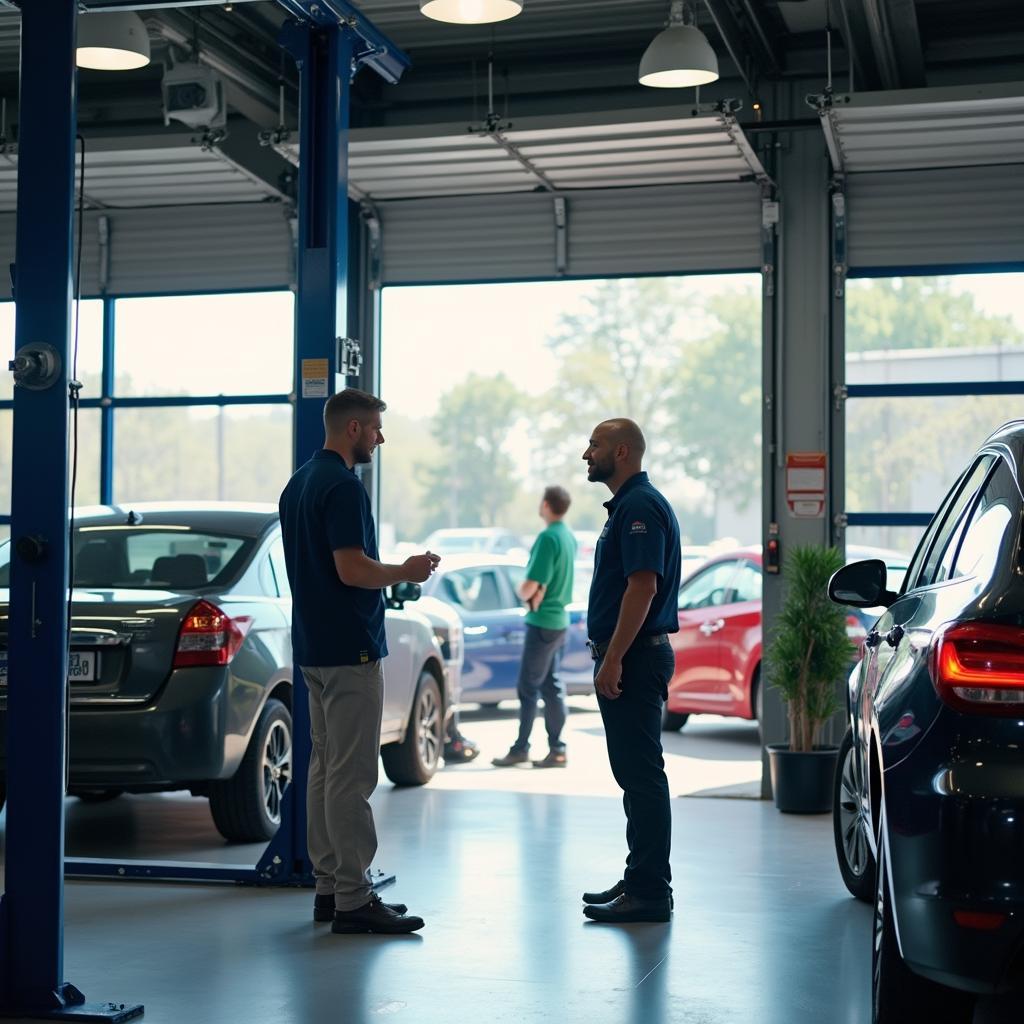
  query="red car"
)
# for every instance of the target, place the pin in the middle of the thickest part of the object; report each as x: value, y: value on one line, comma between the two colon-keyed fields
x: 718, y: 646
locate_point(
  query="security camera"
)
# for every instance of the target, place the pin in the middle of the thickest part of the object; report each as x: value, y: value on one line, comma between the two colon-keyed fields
x: 194, y: 95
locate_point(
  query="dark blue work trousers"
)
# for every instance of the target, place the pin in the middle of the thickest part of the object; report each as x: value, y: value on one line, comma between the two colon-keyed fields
x: 632, y: 727
x: 538, y: 678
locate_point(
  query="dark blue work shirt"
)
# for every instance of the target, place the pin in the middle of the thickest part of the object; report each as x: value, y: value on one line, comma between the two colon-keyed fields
x: 641, y: 534
x: 324, y: 508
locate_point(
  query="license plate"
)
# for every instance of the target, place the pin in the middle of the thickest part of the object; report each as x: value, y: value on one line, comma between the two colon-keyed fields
x: 83, y: 666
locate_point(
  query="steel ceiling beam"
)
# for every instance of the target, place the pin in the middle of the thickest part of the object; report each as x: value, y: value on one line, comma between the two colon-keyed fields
x: 853, y: 25
x: 906, y: 37
x: 732, y: 36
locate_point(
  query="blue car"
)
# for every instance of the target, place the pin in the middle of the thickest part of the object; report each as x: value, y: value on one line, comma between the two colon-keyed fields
x: 482, y: 588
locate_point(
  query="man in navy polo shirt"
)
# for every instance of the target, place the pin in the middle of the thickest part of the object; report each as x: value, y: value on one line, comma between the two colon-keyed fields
x: 633, y: 608
x: 338, y: 640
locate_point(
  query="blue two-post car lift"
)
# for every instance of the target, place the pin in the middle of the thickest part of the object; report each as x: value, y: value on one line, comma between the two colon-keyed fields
x: 329, y: 40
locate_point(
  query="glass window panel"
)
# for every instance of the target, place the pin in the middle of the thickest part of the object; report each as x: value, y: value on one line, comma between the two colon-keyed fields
x: 239, y: 344
x: 476, y: 590
x: 903, y: 454
x: 90, y: 347
x: 88, y: 488
x: 237, y: 453
x: 862, y: 542
x: 987, y: 532
x: 967, y: 327
x: 478, y: 424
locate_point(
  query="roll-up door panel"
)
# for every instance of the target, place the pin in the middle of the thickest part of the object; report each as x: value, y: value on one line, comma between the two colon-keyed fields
x: 179, y: 249
x: 667, y: 229
x: 936, y: 217
x: 469, y: 238
x: 684, y: 228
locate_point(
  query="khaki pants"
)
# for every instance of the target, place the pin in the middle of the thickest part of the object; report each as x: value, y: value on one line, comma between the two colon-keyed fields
x: 345, y: 707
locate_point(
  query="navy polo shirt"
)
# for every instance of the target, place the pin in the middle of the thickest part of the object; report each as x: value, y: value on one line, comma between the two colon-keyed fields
x: 641, y: 534
x: 323, y: 508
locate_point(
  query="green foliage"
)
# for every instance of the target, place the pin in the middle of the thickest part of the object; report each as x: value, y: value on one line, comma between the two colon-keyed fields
x: 473, y: 480
x: 809, y: 650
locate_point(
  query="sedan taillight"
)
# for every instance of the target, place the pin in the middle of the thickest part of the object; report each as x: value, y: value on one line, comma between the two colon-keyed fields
x: 978, y: 667
x: 209, y: 636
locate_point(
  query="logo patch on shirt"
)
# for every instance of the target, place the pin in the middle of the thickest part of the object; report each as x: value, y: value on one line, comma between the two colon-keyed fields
x: 364, y: 657
x: 638, y: 526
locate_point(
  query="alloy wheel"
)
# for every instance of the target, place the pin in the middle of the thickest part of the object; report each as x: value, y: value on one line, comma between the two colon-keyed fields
x: 429, y: 718
x: 853, y: 819
x: 277, y: 768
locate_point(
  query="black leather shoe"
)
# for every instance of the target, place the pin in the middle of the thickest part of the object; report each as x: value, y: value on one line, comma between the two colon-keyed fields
x: 625, y: 909
x: 376, y: 917
x: 608, y: 895
x: 618, y: 889
x: 511, y: 758
x: 323, y: 907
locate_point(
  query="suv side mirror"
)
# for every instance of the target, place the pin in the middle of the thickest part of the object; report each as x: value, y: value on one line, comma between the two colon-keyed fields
x: 402, y: 592
x: 861, y: 585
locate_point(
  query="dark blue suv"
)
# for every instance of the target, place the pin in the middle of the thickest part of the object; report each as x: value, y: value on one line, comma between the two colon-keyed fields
x: 929, y: 809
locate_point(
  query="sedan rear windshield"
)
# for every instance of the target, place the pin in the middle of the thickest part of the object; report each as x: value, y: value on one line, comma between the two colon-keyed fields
x: 150, y: 558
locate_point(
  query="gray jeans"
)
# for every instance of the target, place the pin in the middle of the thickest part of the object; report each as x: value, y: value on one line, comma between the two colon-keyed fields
x: 345, y: 707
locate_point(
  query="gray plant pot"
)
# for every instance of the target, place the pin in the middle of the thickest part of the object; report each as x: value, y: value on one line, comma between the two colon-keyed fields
x: 802, y: 781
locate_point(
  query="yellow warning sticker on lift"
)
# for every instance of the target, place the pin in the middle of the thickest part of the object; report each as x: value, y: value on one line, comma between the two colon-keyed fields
x: 314, y: 378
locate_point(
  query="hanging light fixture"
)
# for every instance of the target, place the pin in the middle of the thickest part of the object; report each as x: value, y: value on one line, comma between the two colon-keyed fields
x: 471, y: 12
x: 680, y: 55
x: 113, y: 41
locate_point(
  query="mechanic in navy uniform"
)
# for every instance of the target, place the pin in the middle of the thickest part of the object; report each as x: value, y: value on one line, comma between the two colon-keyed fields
x: 633, y: 607
x: 339, y: 643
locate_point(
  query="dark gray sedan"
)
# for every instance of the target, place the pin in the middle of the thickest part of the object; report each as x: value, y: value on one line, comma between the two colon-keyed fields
x: 180, y: 669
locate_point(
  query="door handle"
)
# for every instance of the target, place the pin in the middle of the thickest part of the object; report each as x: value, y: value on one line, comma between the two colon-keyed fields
x: 708, y: 628
x: 894, y: 636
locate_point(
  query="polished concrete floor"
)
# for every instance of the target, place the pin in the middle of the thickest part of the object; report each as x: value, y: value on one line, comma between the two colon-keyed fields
x: 763, y: 930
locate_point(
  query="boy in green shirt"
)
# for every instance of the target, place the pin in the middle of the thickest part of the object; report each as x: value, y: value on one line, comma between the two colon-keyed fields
x: 546, y: 589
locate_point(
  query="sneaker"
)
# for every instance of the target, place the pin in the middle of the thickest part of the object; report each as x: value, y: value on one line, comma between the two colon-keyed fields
x: 375, y: 917
x: 554, y: 759
x: 512, y: 757
x: 323, y: 907
x: 460, y: 751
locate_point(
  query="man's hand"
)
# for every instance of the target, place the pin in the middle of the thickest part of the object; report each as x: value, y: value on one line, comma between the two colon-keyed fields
x: 419, y: 568
x: 608, y: 681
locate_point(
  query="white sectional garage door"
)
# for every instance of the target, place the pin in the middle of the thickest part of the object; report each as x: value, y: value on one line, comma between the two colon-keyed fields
x: 607, y: 232
x: 933, y: 176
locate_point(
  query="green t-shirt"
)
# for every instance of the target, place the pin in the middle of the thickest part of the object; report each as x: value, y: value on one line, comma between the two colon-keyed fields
x: 551, y: 565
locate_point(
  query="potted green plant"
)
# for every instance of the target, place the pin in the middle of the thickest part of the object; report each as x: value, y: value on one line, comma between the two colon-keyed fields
x: 809, y: 652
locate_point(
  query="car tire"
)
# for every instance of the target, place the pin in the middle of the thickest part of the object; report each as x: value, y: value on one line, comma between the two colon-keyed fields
x: 414, y: 760
x: 898, y: 994
x: 247, y: 807
x: 672, y: 722
x: 850, y: 824
x: 98, y: 796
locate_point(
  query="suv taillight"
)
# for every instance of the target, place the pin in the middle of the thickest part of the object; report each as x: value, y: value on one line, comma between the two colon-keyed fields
x: 209, y: 636
x: 979, y: 667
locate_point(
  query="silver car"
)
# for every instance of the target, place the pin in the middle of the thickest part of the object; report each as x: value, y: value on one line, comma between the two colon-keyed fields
x: 181, y: 663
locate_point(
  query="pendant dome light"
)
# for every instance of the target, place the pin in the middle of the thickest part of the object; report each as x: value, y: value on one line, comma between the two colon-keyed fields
x: 113, y: 41
x: 471, y: 12
x: 680, y: 55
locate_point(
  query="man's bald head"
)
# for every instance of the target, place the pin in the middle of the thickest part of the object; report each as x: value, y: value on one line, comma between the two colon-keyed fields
x: 625, y: 432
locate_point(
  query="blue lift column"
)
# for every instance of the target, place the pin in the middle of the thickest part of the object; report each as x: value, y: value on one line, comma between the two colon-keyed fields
x: 324, y: 55
x: 32, y: 916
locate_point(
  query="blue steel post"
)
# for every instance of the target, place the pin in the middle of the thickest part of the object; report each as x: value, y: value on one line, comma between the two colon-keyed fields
x: 37, y: 656
x: 107, y: 408
x: 324, y: 57
x: 32, y: 930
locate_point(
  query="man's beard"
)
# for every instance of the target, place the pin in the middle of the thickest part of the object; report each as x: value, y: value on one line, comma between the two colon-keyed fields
x: 598, y: 472
x: 363, y: 455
